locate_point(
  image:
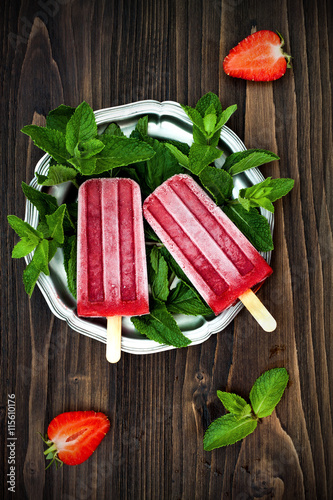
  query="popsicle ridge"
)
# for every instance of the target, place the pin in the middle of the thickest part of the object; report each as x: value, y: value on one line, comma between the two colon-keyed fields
x: 94, y: 244
x: 126, y: 239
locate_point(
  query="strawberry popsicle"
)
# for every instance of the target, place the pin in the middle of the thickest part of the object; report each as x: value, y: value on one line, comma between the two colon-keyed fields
x: 111, y: 270
x: 218, y: 259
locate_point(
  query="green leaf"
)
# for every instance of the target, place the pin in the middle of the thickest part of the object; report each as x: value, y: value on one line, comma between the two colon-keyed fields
x: 113, y: 129
x: 70, y: 263
x: 182, y: 146
x: 84, y: 166
x: 30, y: 277
x: 141, y: 129
x: 55, y: 224
x: 201, y: 156
x: 227, y: 430
x: 58, y: 118
x: 57, y: 174
x: 81, y: 127
x: 195, y: 117
x: 120, y: 151
x: 253, y: 225
x: 232, y: 402
x: 23, y: 229
x: 185, y: 300
x: 199, y: 137
x: 225, y: 116
x: 273, y: 189
x: 180, y: 157
x: 41, y: 257
x: 160, y: 167
x: 24, y: 247
x: 160, y: 326
x: 88, y: 149
x: 209, y: 123
x: 45, y: 203
x: 244, y: 160
x: 158, y: 275
x: 51, y: 141
x: 206, y: 102
x: 53, y: 247
x: 218, y: 182
x: 268, y: 390
x: 245, y: 203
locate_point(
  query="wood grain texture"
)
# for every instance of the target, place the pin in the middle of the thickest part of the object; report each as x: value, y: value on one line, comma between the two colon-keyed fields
x: 115, y: 52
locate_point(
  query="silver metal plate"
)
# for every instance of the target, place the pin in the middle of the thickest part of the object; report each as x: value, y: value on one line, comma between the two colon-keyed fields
x: 166, y: 120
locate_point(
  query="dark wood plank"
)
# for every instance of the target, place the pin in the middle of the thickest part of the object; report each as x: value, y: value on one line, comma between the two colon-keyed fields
x: 111, y: 53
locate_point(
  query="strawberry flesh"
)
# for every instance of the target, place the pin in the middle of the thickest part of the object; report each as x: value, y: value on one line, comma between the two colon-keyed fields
x: 258, y: 57
x: 74, y: 436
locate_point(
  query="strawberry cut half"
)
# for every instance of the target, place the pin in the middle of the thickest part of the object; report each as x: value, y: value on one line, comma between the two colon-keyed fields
x: 72, y: 437
x: 259, y: 57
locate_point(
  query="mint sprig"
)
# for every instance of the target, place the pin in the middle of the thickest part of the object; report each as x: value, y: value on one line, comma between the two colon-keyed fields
x: 43, y: 242
x: 243, y: 418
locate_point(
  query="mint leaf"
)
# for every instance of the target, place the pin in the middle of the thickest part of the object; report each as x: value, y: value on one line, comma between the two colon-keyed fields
x: 120, y: 151
x: 51, y: 141
x: 159, y: 167
x: 195, y: 117
x: 141, y: 129
x: 185, y: 300
x: 209, y: 123
x: 252, y: 224
x: 113, y: 129
x: 232, y: 402
x: 280, y: 187
x: 227, y: 430
x: 160, y: 326
x: 265, y: 192
x: 199, y: 137
x: 86, y: 166
x: 158, y: 275
x: 88, y: 149
x: 273, y: 189
x: 55, y: 224
x: 180, y: 157
x: 23, y: 229
x: 268, y: 390
x: 30, y: 277
x: 209, y: 101
x: 81, y: 127
x: 182, y: 146
x: 45, y: 203
x: 58, y: 118
x: 244, y: 160
x: 41, y: 257
x: 69, y: 248
x: 218, y: 182
x: 57, y: 174
x: 201, y: 156
x: 24, y: 247
x: 225, y: 116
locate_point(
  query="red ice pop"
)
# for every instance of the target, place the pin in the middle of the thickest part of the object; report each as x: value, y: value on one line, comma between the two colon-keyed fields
x: 111, y: 269
x: 215, y: 255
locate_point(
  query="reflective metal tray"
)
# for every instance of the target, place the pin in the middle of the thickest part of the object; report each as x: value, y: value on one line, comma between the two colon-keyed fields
x: 166, y: 120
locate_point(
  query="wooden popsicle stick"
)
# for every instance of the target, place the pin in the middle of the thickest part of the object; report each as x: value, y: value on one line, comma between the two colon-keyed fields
x: 258, y: 311
x: 113, y: 339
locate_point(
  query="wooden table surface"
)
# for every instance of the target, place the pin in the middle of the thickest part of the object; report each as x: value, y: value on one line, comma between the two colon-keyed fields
x: 116, y: 52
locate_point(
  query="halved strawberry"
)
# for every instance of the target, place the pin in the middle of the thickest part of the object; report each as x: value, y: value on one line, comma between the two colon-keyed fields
x: 73, y: 436
x: 258, y: 57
